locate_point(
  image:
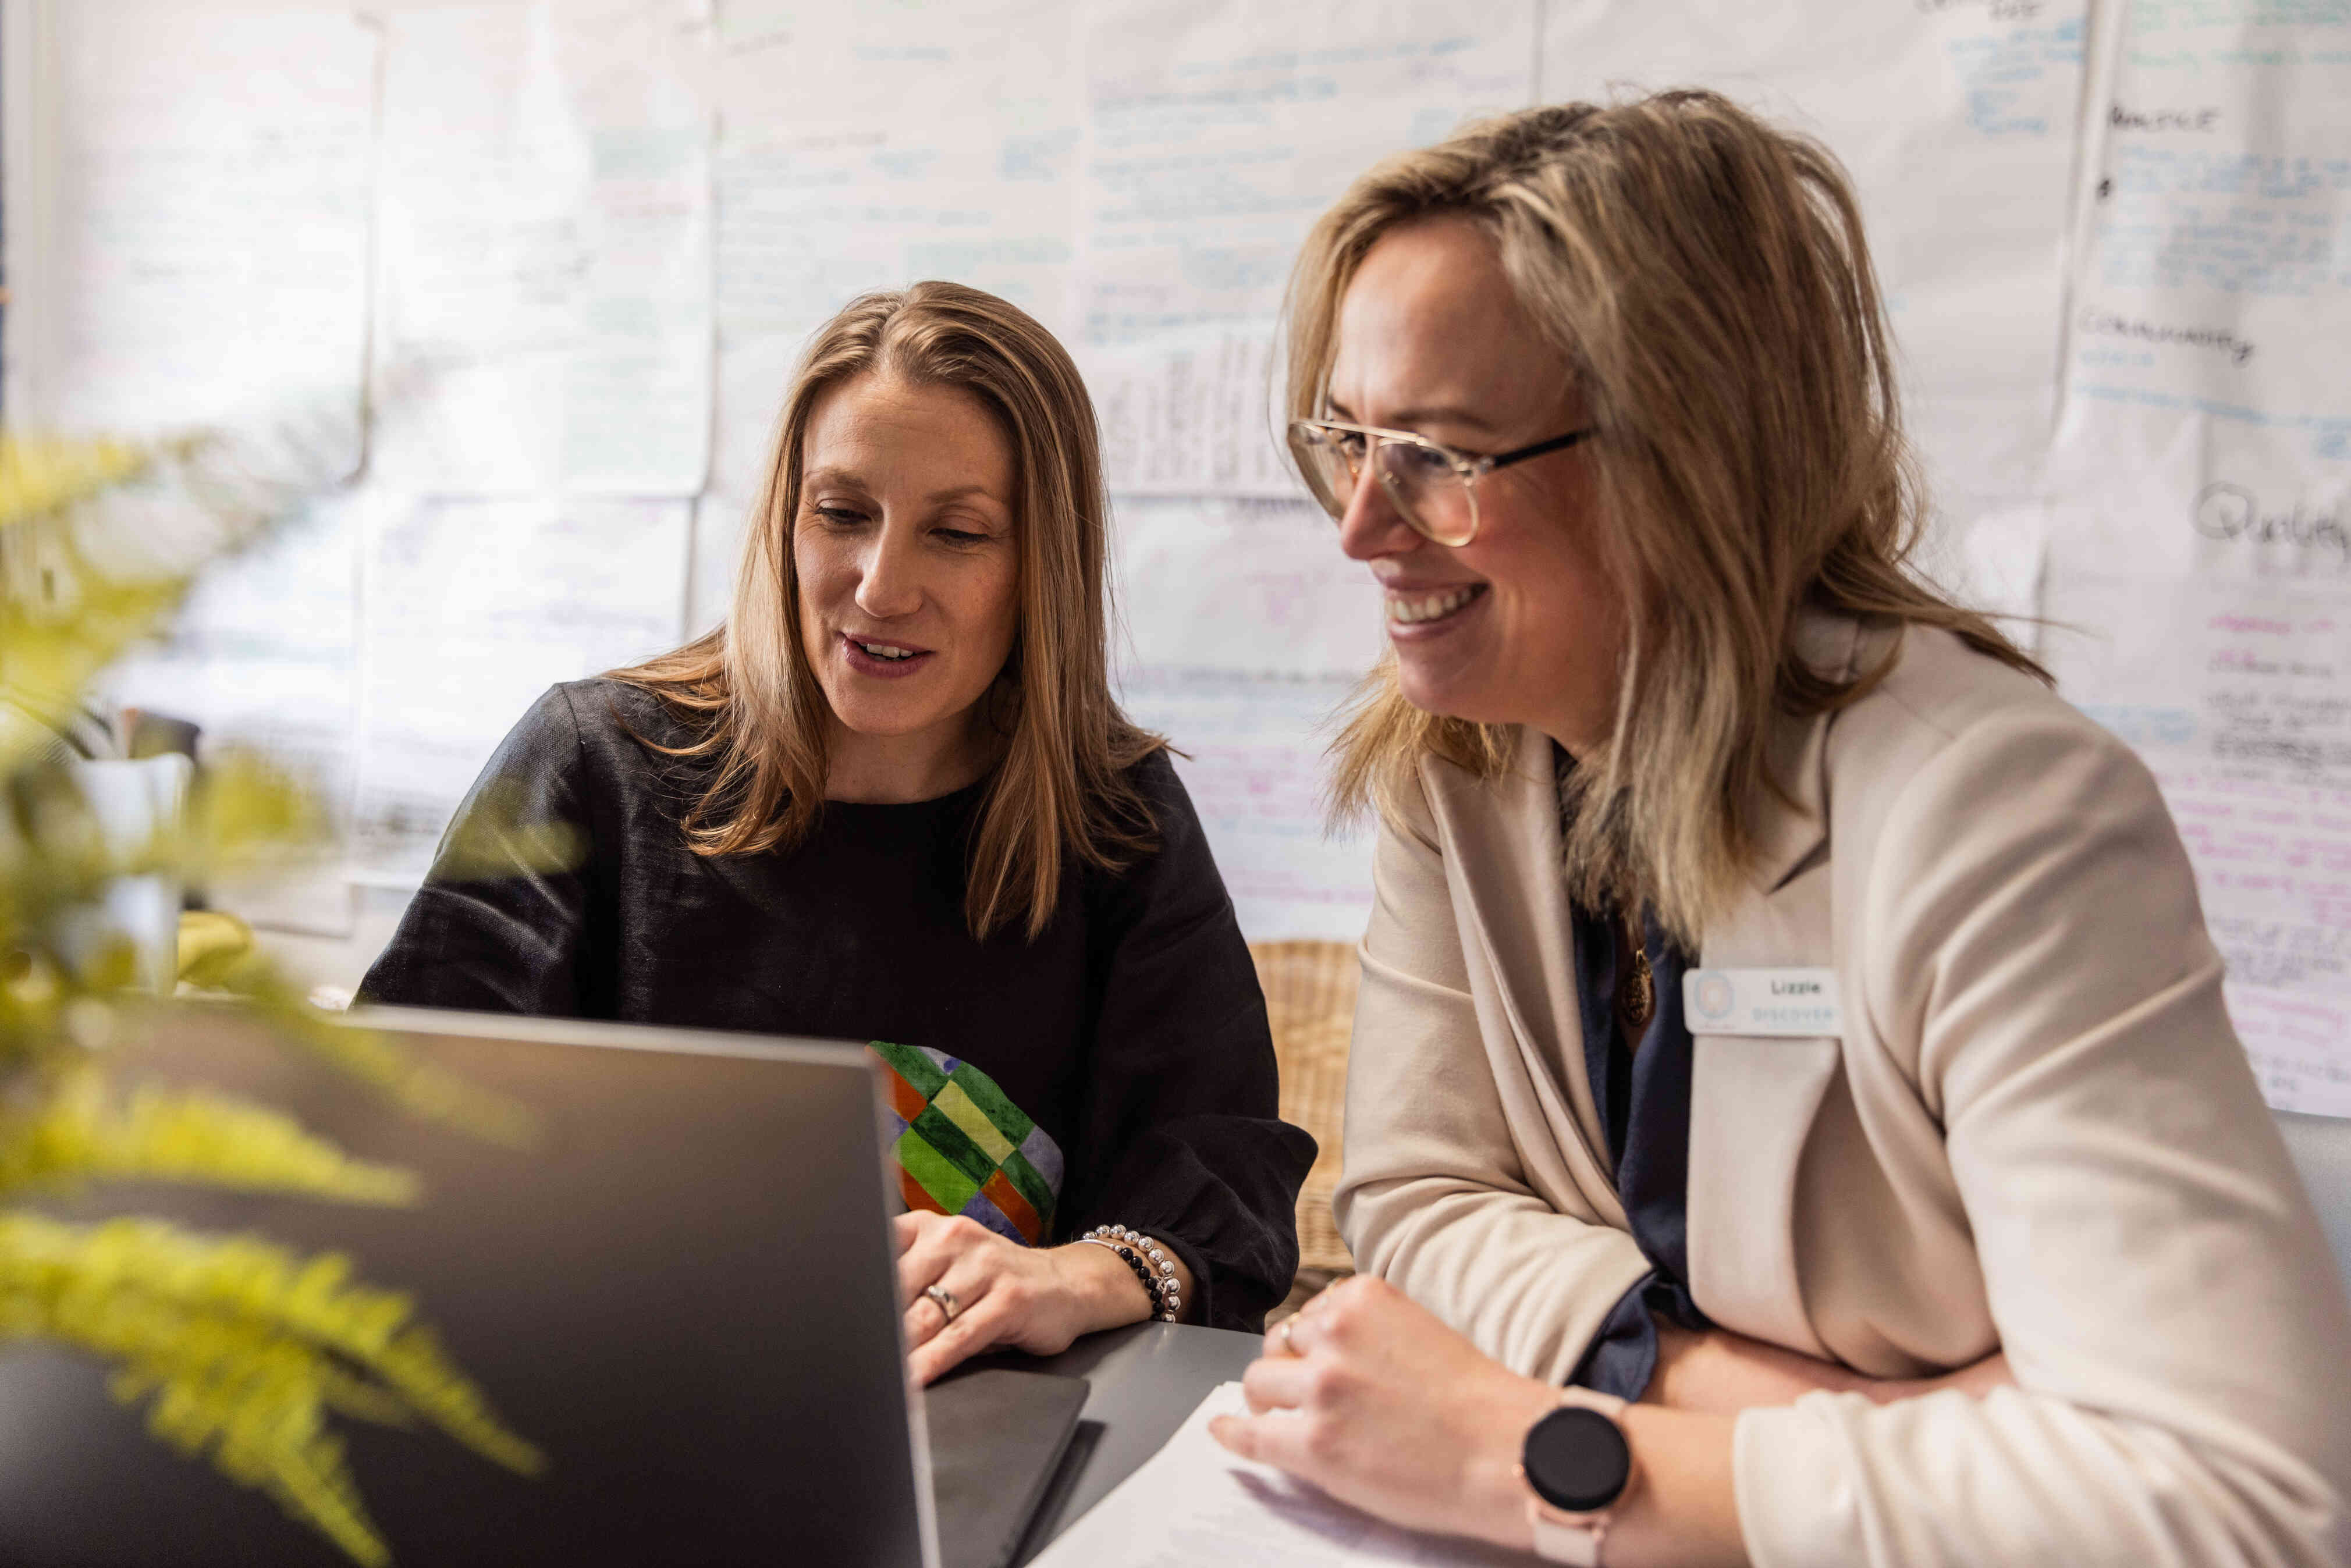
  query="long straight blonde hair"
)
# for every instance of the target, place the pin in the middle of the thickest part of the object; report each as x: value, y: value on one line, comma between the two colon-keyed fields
x: 1060, y: 793
x: 1703, y: 278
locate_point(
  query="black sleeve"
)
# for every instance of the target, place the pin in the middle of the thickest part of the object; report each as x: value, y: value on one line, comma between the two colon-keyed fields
x: 489, y: 931
x: 1180, y: 1136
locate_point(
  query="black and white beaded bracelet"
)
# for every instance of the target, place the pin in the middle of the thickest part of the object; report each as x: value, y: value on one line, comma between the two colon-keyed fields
x: 1157, y: 1276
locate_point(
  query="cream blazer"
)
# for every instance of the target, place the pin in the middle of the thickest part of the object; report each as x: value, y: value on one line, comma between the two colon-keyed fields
x: 2037, y: 1132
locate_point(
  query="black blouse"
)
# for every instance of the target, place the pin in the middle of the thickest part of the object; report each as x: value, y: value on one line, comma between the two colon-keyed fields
x: 1116, y: 1070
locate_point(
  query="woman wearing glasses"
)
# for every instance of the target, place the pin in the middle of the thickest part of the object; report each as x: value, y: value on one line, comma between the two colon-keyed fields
x: 1793, y: 1118
x: 892, y: 799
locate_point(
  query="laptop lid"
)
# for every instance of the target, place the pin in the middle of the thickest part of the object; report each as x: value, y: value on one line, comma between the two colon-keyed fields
x: 682, y: 1292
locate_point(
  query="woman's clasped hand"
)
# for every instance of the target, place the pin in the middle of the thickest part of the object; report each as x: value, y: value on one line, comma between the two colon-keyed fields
x: 1367, y: 1395
x: 1372, y: 1399
x: 966, y: 1290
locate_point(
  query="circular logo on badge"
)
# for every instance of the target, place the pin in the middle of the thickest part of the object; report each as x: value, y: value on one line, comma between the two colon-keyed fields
x: 1713, y: 997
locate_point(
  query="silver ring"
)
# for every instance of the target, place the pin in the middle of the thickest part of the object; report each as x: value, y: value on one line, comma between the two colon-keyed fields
x: 944, y: 1299
x: 1289, y: 1346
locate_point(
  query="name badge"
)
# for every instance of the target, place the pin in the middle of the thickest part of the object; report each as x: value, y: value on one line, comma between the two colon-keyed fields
x: 1778, y: 1002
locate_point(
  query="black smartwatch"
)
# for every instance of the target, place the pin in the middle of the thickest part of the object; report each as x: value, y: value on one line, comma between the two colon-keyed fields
x: 1578, y: 1468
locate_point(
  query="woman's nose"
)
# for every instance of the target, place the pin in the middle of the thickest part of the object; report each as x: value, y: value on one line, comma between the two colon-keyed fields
x: 1371, y: 527
x: 889, y: 581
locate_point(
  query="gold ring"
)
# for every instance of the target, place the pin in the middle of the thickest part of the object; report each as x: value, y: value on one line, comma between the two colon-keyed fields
x: 944, y: 1299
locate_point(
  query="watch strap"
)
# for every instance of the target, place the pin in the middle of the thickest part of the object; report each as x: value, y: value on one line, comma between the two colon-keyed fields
x: 1608, y: 1404
x: 1574, y: 1539
x: 1578, y: 1545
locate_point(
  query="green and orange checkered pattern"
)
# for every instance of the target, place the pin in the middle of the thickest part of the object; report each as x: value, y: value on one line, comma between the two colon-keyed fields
x: 965, y: 1148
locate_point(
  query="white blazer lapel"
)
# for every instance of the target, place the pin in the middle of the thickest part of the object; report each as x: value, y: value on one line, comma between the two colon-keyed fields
x: 1506, y: 877
x: 1752, y: 1098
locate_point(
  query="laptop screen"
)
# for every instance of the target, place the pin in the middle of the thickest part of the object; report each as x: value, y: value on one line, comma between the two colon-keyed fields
x: 679, y: 1290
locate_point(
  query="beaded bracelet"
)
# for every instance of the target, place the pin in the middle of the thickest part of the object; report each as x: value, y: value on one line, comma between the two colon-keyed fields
x: 1157, y: 1277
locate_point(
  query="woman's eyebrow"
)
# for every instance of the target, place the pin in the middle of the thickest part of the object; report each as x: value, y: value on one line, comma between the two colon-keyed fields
x: 1432, y: 414
x: 849, y: 479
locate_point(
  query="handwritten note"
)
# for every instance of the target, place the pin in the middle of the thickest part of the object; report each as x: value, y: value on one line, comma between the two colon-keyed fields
x: 546, y: 219
x: 208, y: 245
x: 1214, y: 138
x: 954, y: 157
x: 1255, y: 775
x: 1249, y: 587
x: 2200, y: 486
x: 2238, y: 696
x: 263, y: 655
x: 470, y: 609
x: 2207, y: 424
x: 1955, y: 122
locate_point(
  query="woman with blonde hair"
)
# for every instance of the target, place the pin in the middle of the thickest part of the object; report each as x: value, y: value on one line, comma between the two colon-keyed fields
x: 1792, y: 1117
x: 892, y: 799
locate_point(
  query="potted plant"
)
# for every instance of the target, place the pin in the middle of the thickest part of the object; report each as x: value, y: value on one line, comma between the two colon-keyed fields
x: 242, y: 1352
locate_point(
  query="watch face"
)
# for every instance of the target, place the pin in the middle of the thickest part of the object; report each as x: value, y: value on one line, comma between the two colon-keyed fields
x: 1577, y: 1459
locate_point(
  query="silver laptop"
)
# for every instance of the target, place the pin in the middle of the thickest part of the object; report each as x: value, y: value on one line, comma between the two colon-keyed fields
x: 683, y: 1294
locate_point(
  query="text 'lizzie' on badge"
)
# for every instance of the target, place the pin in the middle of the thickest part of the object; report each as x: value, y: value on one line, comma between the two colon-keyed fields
x: 1779, y: 1002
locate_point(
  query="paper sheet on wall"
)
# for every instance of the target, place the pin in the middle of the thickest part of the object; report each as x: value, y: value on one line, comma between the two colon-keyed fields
x: 1215, y: 135
x: 2234, y: 693
x: 2200, y: 512
x: 546, y: 238
x: 1254, y: 771
x: 719, y: 519
x: 1192, y: 1502
x: 210, y: 235
x: 954, y: 157
x: 2206, y: 425
x: 264, y: 657
x: 1955, y: 120
x: 1243, y: 587
x: 472, y: 610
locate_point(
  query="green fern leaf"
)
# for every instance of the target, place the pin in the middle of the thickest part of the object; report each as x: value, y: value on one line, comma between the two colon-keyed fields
x: 242, y: 1349
x: 195, y: 1136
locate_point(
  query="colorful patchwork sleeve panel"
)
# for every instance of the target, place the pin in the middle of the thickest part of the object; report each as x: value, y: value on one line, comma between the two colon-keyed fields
x: 964, y: 1148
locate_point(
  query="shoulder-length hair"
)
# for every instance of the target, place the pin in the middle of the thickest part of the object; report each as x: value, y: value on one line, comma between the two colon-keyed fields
x: 1704, y: 280
x: 1060, y: 793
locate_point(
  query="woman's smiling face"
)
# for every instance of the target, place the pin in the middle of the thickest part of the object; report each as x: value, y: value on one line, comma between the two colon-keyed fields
x: 1521, y: 625
x: 909, y: 573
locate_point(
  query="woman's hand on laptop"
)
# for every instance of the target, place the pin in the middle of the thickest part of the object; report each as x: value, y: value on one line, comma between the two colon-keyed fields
x: 1005, y: 1296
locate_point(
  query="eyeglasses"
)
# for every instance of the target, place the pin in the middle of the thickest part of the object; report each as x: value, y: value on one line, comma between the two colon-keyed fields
x: 1434, y: 486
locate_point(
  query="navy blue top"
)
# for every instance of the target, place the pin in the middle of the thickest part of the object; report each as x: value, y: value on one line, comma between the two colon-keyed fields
x: 1644, y: 1096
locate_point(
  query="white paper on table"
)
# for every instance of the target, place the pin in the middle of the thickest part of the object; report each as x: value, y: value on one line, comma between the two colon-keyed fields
x: 1192, y: 1502
x: 954, y: 157
x: 1955, y: 122
x: 545, y: 236
x: 1246, y: 587
x: 473, y: 609
x: 209, y: 244
x: 1255, y: 773
x: 1214, y: 136
x: 2234, y: 695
